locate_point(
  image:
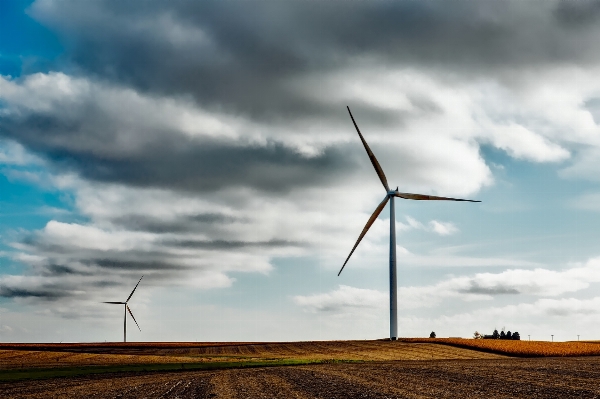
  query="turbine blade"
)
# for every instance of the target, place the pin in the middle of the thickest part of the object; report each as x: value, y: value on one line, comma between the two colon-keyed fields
x: 136, y: 323
x: 116, y: 303
x: 367, y: 226
x: 376, y: 165
x: 129, y: 297
x: 422, y: 197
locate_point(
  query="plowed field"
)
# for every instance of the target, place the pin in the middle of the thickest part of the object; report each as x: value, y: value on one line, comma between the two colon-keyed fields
x: 503, y: 378
x: 70, y: 355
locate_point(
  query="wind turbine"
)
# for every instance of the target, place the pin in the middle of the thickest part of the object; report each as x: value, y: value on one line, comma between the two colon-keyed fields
x: 127, y: 310
x: 389, y: 196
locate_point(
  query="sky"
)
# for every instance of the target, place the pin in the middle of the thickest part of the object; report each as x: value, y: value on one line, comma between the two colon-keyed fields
x: 207, y: 147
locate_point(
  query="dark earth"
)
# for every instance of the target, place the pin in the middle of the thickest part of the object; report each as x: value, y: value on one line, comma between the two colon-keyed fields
x: 499, y: 378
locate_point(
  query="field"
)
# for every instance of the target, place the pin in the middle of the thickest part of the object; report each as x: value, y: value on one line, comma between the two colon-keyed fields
x: 520, y: 348
x: 412, y: 368
x: 17, y: 356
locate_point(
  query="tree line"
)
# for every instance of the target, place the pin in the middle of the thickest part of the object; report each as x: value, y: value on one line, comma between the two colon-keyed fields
x: 498, y: 335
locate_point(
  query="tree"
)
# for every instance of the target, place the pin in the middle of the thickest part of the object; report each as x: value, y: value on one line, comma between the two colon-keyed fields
x: 477, y: 335
x: 516, y: 336
x: 508, y: 335
x: 502, y: 335
x: 495, y: 334
x: 432, y: 335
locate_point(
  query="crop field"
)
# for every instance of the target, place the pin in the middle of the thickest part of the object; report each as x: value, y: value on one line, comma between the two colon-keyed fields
x: 412, y: 368
x: 18, y: 356
x: 520, y: 348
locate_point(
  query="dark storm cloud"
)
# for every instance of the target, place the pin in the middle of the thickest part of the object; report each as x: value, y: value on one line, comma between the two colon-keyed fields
x: 575, y: 14
x: 58, y: 270
x: 44, y: 293
x: 87, y: 145
x: 180, y: 225
x: 228, y: 244
x: 241, y: 55
x: 475, y: 288
x: 66, y: 259
x: 241, y: 58
x: 133, y: 265
x: 211, y: 167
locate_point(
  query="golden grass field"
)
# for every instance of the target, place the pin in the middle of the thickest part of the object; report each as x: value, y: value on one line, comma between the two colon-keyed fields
x: 519, y: 348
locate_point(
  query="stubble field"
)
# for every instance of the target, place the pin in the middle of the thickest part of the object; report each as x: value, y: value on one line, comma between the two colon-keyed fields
x: 329, y: 369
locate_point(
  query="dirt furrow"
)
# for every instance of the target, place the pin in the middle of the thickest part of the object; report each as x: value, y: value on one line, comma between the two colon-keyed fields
x: 456, y: 379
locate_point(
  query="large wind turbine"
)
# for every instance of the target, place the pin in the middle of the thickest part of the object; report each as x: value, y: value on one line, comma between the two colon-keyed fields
x: 127, y: 310
x: 390, y: 194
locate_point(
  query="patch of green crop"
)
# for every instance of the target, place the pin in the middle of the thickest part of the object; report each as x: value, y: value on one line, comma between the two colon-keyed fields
x: 66, y: 372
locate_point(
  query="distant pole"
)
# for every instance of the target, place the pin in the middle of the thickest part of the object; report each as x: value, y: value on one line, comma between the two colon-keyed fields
x: 552, y: 337
x: 529, y: 336
x: 577, y: 337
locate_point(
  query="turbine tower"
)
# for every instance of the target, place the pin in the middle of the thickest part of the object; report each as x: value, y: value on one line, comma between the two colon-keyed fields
x: 390, y: 195
x: 126, y: 309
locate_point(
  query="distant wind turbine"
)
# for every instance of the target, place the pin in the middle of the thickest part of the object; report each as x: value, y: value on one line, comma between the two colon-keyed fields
x: 390, y: 194
x: 127, y: 310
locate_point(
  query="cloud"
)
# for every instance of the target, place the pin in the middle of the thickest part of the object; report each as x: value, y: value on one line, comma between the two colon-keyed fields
x: 14, y: 154
x: 522, y: 143
x: 481, y: 286
x: 209, y: 49
x: 443, y: 228
x: 344, y: 299
x: 209, y: 139
x: 115, y: 134
x: 577, y: 15
x: 585, y: 166
x: 538, y: 282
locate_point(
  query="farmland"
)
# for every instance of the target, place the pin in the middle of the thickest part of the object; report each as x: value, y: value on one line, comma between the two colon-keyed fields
x: 412, y: 368
x: 17, y: 356
x: 520, y: 348
x: 500, y: 378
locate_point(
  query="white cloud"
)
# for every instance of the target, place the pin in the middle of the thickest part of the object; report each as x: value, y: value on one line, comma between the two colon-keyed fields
x: 345, y: 299
x: 538, y: 282
x: 521, y: 143
x: 443, y: 228
x: 481, y: 286
x: 435, y: 226
x: 415, y: 224
x: 14, y: 154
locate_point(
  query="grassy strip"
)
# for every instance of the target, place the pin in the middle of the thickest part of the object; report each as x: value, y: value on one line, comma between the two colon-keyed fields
x: 38, y: 374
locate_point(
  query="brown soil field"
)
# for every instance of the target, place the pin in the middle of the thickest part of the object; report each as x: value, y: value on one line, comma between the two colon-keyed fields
x: 15, y: 356
x: 457, y: 379
x: 519, y: 348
